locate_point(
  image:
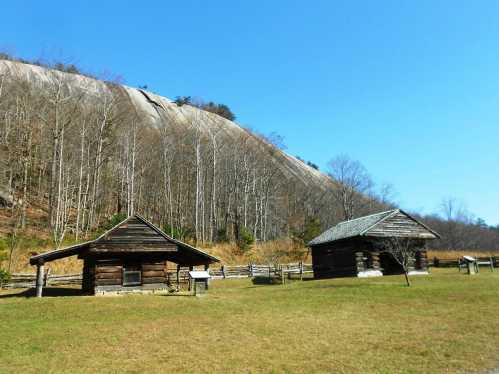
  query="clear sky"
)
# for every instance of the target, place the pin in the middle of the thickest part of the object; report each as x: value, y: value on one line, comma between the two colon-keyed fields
x: 409, y: 88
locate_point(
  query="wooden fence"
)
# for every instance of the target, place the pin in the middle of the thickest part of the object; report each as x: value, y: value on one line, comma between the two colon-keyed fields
x: 454, y: 263
x: 280, y: 271
x: 29, y: 280
x: 253, y: 270
x: 297, y: 270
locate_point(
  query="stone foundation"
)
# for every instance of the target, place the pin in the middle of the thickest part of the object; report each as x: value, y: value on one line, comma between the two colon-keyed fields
x: 369, y: 273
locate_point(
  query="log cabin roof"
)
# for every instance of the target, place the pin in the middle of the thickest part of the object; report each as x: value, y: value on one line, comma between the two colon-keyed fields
x: 392, y: 223
x: 134, y: 234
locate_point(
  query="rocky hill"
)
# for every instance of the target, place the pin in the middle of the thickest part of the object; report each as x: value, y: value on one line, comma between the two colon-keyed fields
x: 92, y: 149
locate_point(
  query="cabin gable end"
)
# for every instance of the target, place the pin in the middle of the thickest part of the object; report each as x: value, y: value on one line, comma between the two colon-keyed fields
x: 400, y: 225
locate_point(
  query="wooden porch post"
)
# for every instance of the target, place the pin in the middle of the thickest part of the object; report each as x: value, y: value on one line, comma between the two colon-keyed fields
x: 39, y: 278
x: 190, y: 280
x: 207, y: 268
x: 178, y: 277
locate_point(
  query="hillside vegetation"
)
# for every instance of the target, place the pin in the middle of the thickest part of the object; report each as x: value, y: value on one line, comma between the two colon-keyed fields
x: 84, y: 150
x: 77, y: 153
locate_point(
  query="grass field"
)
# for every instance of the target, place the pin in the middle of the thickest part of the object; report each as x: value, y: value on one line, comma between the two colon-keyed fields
x: 446, y: 322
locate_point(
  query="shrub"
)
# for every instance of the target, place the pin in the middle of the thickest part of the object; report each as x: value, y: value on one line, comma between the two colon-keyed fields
x: 182, y: 100
x: 114, y: 220
x: 311, y: 229
x: 4, y: 276
x: 245, y: 239
x: 181, y: 234
x: 222, y: 235
x: 3, y: 249
x: 220, y: 109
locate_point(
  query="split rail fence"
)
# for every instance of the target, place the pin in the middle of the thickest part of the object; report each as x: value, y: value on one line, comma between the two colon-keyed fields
x: 281, y: 271
x: 492, y: 262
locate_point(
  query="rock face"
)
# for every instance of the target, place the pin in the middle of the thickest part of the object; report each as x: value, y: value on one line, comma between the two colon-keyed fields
x: 296, y: 184
x: 155, y: 110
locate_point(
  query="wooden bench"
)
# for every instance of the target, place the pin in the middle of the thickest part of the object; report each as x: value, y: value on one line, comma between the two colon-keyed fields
x: 463, y: 262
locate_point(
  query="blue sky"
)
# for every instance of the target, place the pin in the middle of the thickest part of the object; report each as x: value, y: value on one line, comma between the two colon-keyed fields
x: 409, y: 88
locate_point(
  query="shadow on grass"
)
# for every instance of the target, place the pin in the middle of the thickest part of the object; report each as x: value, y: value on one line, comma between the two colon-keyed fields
x: 272, y: 281
x: 47, y: 292
x: 345, y: 282
x: 175, y: 294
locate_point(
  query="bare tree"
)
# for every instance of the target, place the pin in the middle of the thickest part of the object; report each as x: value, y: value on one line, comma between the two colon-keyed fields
x: 455, y: 218
x: 403, y: 251
x: 76, y: 152
x: 386, y: 194
x: 353, y: 181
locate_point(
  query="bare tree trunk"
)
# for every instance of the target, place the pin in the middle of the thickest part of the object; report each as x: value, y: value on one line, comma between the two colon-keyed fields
x: 53, y: 168
x: 27, y: 162
x: 60, y: 181
x: 407, y: 278
x: 80, y: 181
x: 198, y: 182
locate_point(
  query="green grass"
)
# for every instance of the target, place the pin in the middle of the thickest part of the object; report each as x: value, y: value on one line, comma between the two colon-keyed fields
x: 446, y: 322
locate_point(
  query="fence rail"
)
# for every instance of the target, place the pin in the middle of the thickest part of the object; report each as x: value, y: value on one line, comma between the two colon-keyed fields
x: 451, y: 263
x: 28, y: 280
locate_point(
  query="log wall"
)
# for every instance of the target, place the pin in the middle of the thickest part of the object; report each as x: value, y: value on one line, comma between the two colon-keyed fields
x: 88, y: 275
x: 108, y: 272
x: 422, y: 260
x: 400, y: 225
x: 154, y: 272
x: 349, y: 257
x: 340, y: 259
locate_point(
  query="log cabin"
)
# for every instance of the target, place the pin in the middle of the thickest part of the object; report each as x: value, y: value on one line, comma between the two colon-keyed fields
x: 130, y: 257
x: 358, y: 247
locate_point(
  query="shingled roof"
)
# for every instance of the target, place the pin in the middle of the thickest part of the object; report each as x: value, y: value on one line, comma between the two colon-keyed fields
x: 362, y: 226
x: 186, y: 254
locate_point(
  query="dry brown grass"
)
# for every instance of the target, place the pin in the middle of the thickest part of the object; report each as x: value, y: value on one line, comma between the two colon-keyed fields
x: 69, y: 265
x: 275, y: 251
x: 281, y: 251
x: 35, y: 226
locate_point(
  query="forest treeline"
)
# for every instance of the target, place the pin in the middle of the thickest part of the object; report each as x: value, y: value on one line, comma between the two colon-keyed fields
x: 85, y: 152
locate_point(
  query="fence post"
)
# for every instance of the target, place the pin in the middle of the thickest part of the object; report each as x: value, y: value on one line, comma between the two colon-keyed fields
x: 491, y: 264
x: 250, y: 267
x: 39, y: 279
x: 191, y: 283
x: 301, y: 270
x: 46, y: 278
x: 178, y: 277
x: 222, y: 268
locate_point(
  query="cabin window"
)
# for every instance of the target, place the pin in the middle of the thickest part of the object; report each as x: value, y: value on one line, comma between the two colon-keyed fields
x: 132, y: 276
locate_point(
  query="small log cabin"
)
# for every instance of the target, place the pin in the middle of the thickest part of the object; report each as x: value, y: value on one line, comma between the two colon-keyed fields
x: 357, y: 247
x: 130, y: 257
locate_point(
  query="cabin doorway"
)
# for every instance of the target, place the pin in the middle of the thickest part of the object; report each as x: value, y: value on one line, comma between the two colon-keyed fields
x: 389, y: 265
